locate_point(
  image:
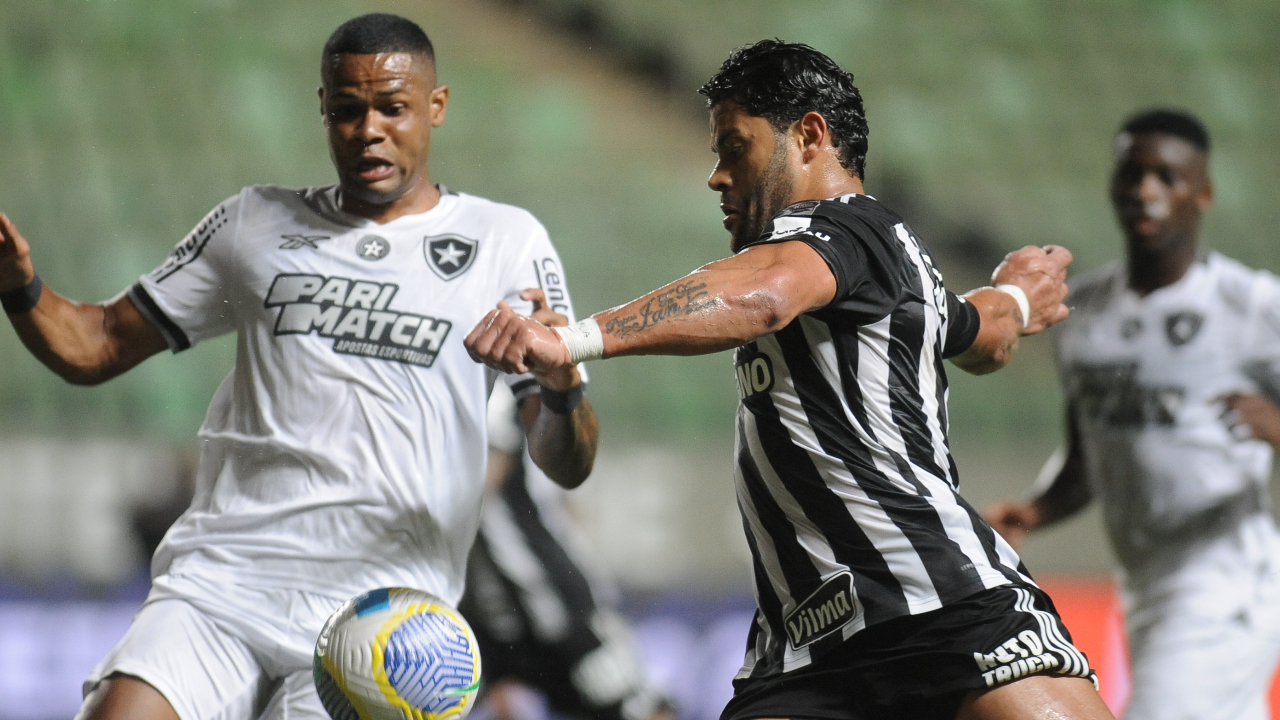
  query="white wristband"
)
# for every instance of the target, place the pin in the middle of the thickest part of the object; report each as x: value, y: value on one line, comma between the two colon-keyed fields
x: 1020, y: 297
x: 584, y: 340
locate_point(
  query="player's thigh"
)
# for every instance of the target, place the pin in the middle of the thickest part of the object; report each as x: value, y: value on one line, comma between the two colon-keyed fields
x: 1202, y: 670
x: 175, y: 651
x: 1032, y: 698
x: 125, y: 696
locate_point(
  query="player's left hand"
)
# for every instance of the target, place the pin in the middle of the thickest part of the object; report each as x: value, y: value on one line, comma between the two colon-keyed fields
x: 1252, y: 416
x: 561, y: 378
x: 512, y: 343
x: 1042, y: 275
x: 542, y: 311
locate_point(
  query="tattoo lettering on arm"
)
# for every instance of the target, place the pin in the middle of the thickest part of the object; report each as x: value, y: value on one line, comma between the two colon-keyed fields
x: 685, y: 299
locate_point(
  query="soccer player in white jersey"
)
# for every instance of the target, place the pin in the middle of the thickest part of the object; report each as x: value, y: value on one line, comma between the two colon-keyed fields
x: 1171, y: 370
x: 346, y: 450
x: 882, y: 595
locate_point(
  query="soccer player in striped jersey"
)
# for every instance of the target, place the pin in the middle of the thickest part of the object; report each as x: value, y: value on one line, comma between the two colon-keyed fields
x: 882, y: 593
x: 1171, y: 370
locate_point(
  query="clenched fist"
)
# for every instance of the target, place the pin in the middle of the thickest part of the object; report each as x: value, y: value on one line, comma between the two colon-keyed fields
x: 1042, y: 275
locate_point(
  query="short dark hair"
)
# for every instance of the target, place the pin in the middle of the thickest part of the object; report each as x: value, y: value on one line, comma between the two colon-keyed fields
x: 379, y: 33
x: 783, y: 81
x: 1178, y: 123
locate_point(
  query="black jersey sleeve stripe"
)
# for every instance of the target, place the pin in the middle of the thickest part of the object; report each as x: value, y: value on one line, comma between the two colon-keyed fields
x: 191, y: 248
x: 914, y: 515
x: 524, y: 388
x: 963, y: 323
x: 147, y: 308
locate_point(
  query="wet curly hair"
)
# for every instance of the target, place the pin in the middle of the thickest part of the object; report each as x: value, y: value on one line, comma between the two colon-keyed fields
x: 782, y: 81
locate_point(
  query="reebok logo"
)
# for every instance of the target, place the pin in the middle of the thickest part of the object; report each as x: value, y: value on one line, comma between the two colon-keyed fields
x: 355, y: 314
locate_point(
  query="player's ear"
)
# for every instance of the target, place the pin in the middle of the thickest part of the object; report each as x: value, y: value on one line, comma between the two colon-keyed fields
x: 811, y: 130
x: 1204, y: 200
x: 320, y: 94
x: 439, y: 103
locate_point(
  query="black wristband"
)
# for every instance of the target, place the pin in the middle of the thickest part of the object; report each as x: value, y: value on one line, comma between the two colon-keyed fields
x: 20, y: 300
x: 562, y: 403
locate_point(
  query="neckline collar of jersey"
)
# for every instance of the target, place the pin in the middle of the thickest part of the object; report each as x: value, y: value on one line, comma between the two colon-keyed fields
x: 333, y: 208
x: 1204, y: 259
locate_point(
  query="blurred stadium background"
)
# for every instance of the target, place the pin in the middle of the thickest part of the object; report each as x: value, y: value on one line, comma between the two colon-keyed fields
x: 122, y: 122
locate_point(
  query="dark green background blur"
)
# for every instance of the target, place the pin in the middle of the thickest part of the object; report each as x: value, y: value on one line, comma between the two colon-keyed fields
x: 123, y: 121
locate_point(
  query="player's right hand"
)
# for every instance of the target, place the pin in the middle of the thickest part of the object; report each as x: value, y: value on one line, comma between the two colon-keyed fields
x: 1042, y: 275
x: 512, y: 343
x: 1012, y: 520
x: 15, y: 257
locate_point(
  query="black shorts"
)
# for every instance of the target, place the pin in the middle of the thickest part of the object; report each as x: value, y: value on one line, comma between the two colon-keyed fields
x: 921, y: 666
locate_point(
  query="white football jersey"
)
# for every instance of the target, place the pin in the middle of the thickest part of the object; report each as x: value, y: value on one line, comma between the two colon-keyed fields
x: 1144, y: 377
x: 346, y: 450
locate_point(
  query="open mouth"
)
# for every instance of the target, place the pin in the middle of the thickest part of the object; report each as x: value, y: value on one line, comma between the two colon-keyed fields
x: 372, y: 170
x: 731, y: 214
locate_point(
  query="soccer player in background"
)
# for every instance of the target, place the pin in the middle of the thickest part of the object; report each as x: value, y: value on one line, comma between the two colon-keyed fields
x: 346, y: 450
x: 1171, y: 370
x: 881, y: 593
x: 543, y: 616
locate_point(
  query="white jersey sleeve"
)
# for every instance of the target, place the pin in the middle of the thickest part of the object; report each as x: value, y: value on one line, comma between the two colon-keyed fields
x: 186, y: 298
x: 539, y: 267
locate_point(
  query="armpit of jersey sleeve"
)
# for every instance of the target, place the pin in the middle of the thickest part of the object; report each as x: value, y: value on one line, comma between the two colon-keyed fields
x: 147, y: 308
x: 185, y: 297
x: 963, y: 323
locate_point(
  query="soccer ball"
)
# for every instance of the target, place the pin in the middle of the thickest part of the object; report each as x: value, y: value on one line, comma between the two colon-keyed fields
x: 397, y: 654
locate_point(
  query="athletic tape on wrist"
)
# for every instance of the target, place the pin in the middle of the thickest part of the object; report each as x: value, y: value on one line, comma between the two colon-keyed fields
x: 584, y: 340
x: 20, y: 300
x: 562, y: 403
x: 1020, y: 297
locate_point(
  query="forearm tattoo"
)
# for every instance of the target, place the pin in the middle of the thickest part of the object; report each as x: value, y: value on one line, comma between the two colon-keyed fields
x: 685, y: 299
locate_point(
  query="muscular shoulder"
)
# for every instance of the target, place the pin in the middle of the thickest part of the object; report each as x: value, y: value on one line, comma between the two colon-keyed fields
x: 857, y: 215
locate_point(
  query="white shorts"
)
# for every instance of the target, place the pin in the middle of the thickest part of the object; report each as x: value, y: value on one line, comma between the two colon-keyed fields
x: 1204, y: 636
x: 224, y: 652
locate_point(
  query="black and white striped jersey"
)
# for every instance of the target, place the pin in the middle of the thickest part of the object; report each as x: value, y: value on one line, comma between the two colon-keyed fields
x: 844, y: 477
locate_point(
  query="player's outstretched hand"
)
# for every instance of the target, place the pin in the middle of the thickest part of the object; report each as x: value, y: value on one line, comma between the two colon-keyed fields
x: 15, y: 257
x: 1042, y: 275
x: 512, y: 343
x: 1012, y: 520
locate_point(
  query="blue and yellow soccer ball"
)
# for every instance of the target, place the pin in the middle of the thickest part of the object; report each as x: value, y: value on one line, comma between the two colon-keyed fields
x: 397, y: 654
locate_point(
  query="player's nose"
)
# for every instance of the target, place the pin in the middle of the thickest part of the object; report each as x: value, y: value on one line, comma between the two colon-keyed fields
x: 719, y: 180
